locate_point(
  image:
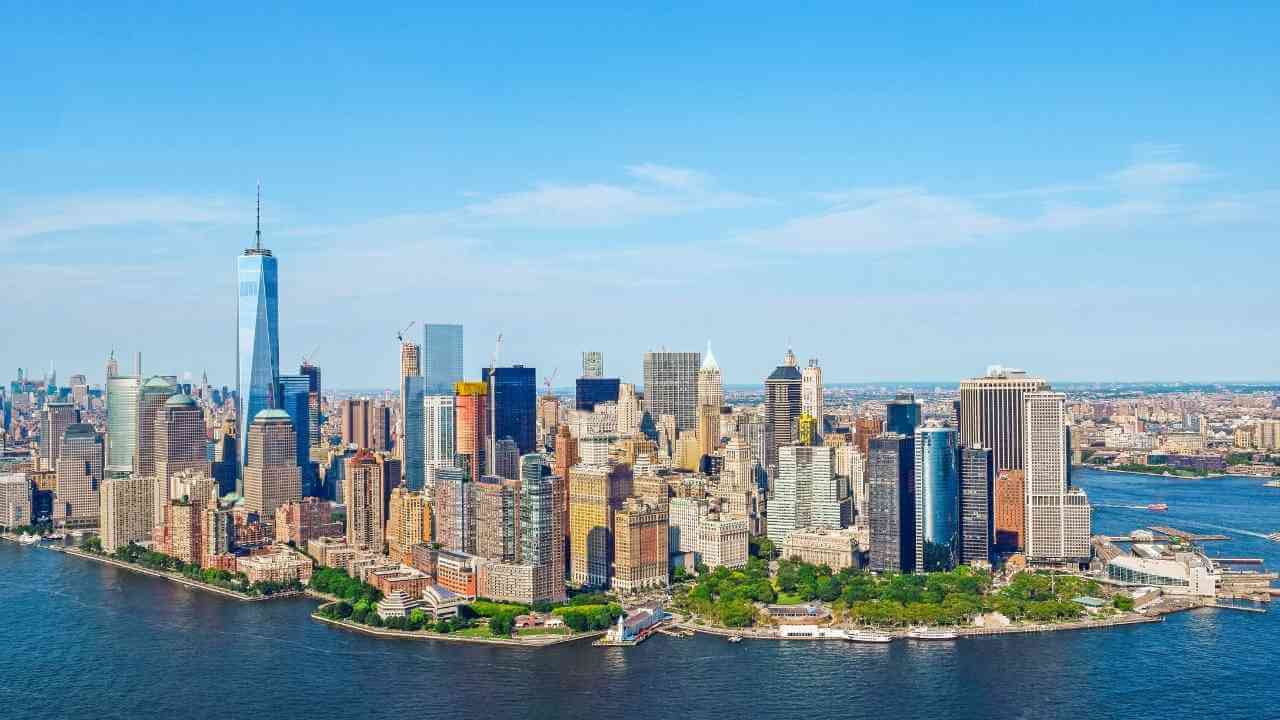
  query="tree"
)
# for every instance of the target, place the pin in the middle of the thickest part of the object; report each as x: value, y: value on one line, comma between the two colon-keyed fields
x: 1123, y: 602
x: 417, y: 619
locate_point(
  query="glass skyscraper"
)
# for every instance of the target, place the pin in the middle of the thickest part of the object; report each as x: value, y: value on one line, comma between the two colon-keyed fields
x: 514, y: 394
x: 258, y: 348
x: 414, y: 438
x: 937, y: 479
x: 902, y: 414
x: 122, y: 422
x: 295, y: 396
x: 593, y: 390
x: 441, y: 357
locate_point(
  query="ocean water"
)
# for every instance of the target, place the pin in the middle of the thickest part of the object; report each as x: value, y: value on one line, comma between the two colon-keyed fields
x: 83, y: 640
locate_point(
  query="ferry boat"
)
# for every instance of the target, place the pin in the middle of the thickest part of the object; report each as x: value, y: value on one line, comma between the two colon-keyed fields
x: 867, y: 636
x: 735, y: 638
x: 925, y: 633
x: 1158, y: 507
x: 26, y: 539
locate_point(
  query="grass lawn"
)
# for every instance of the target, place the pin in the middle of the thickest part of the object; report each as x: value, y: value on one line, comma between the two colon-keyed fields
x: 533, y: 631
x: 482, y: 631
x: 789, y: 599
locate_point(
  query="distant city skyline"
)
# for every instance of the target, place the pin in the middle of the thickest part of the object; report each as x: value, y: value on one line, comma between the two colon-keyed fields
x: 907, y: 197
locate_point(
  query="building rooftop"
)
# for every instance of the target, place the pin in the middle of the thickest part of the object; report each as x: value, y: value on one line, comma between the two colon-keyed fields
x: 272, y: 414
x: 180, y: 400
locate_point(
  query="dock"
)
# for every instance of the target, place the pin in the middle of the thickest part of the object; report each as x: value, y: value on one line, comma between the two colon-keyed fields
x: 1184, y: 534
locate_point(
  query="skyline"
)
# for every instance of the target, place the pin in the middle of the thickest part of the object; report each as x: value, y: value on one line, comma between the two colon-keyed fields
x: 905, y: 198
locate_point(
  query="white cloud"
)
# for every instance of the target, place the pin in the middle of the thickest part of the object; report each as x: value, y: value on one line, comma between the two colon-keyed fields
x: 1157, y: 174
x: 76, y: 213
x: 673, y: 177
x: 571, y: 205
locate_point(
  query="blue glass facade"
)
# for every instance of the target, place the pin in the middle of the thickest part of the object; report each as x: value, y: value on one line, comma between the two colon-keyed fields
x: 258, y: 342
x: 295, y: 396
x: 441, y: 357
x: 514, y: 395
x: 414, y: 440
x: 902, y: 415
x: 937, y: 499
x: 592, y: 390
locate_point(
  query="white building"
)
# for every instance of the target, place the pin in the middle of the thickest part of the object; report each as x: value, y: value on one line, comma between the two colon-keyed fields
x: 1057, y: 521
x: 1186, y: 574
x: 685, y: 513
x: 811, y: 391
x: 710, y: 385
x: 15, y: 500
x: 806, y: 492
x: 723, y: 541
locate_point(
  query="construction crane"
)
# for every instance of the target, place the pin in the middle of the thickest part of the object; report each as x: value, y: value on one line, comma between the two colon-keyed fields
x: 306, y: 359
x: 550, y: 380
x: 400, y: 333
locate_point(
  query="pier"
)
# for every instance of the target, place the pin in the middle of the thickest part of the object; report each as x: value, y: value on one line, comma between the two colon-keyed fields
x: 1185, y: 535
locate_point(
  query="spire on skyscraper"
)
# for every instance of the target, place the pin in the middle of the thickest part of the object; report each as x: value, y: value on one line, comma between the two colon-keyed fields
x: 257, y: 233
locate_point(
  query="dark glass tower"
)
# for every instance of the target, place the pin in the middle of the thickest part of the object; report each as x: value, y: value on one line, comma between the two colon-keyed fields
x: 592, y: 390
x: 891, y: 502
x: 937, y: 492
x: 514, y: 394
x: 902, y: 415
x: 976, y: 508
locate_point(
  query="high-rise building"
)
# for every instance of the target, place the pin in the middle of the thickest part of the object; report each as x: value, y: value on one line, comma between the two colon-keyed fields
x: 937, y: 499
x: 514, y: 397
x: 710, y: 383
x: 154, y: 394
x: 811, y: 391
x: 472, y: 422
x: 891, y: 502
x: 506, y: 459
x: 541, y: 533
x: 708, y: 431
x: 903, y: 414
x: 54, y: 421
x: 295, y: 399
x: 976, y: 507
x: 408, y: 523
x: 410, y: 360
x: 1054, y: 532
x: 455, y: 510
x: 364, y: 486
x: 497, y: 518
x: 591, y: 391
x: 595, y: 491
x: 630, y: 410
x: 441, y: 357
x: 1010, y: 510
x: 439, y: 430
x: 414, y: 436
x: 991, y: 410
x: 640, y: 546
x: 671, y: 386
x: 126, y: 511
x: 312, y: 373
x: 592, y: 364
x: 271, y: 473
x: 122, y: 422
x: 16, y: 500
x: 76, y: 501
x: 805, y: 492
x: 181, y: 443
x: 866, y: 428
x: 258, y: 343
x: 782, y: 406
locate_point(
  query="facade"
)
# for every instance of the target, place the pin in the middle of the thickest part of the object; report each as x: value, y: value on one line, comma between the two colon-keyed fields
x: 312, y: 373
x: 364, y: 488
x: 991, y: 413
x: 506, y: 459
x: 977, y: 516
x: 441, y: 357
x: 126, y: 511
x: 671, y: 386
x: 471, y: 422
x: 271, y: 474
x: 782, y: 400
x: 937, y: 499
x: 281, y: 565
x: 181, y: 444
x: 54, y: 421
x: 151, y: 400
x: 723, y: 540
x: 301, y: 521
x: 805, y: 493
x: 410, y: 360
x: 710, y: 385
x: 414, y: 432
x: 295, y: 399
x: 683, y: 516
x: 903, y: 415
x: 811, y: 391
x: 1009, y: 509
x: 122, y: 422
x: 15, y: 500
x: 592, y: 364
x: 258, y: 337
x: 541, y: 533
x: 454, y: 510
x: 76, y: 502
x: 591, y: 525
x: 514, y: 396
x: 408, y: 523
x: 439, y: 430
x: 1053, y: 529
x: 835, y: 548
x: 497, y: 518
x: 591, y: 391
x: 640, y: 546
x: 630, y: 410
x: 891, y: 502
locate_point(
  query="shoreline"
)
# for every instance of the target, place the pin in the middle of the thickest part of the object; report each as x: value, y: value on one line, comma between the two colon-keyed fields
x: 386, y: 634
x: 188, y: 582
x: 1211, y: 476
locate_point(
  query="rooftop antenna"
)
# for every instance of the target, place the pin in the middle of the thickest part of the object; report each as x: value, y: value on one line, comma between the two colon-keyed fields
x: 258, y: 231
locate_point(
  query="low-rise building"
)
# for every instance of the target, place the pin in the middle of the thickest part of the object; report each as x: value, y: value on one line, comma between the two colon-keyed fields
x: 456, y: 572
x: 331, y: 552
x: 399, y: 579
x: 280, y: 564
x: 1186, y: 573
x: 397, y: 604
x: 837, y: 549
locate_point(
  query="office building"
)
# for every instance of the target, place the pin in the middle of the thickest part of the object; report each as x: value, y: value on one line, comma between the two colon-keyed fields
x: 671, y: 386
x: 723, y: 540
x: 76, y: 502
x: 472, y: 422
x: 977, y: 531
x: 180, y: 444
x: 439, y: 429
x: 1010, y: 510
x: 991, y: 410
x: 414, y: 432
x: 903, y: 414
x: 591, y: 391
x: 805, y: 493
x: 782, y: 401
x: 122, y: 422
x: 937, y: 499
x: 258, y: 341
x: 441, y: 357
x: 312, y: 373
x: 506, y: 459
x: 497, y: 518
x: 542, y: 498
x: 630, y: 410
x: 710, y: 383
x: 295, y: 399
x: 408, y: 523
x: 155, y: 392
x: 454, y: 510
x: 891, y: 502
x: 54, y: 421
x: 514, y: 398
x: 1057, y: 520
x: 592, y: 364
x: 811, y: 392
x: 16, y: 499
x: 595, y: 491
x: 640, y: 546
x: 271, y: 473
x: 833, y: 547
x: 364, y: 486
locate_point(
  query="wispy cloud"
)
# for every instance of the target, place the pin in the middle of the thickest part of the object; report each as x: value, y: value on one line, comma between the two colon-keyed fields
x: 77, y: 213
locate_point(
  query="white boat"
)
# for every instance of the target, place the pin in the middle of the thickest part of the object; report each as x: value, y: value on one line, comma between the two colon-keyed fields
x: 26, y: 539
x: 926, y: 633
x: 735, y: 638
x: 867, y: 636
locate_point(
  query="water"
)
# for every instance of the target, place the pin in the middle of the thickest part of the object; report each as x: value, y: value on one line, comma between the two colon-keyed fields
x: 83, y: 640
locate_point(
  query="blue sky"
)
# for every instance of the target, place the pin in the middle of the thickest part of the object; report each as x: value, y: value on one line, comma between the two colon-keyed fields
x: 1088, y: 192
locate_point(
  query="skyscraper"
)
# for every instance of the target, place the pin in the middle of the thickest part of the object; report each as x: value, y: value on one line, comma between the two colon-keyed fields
x: 811, y: 391
x: 671, y: 386
x: 413, y: 441
x: 1057, y: 518
x: 592, y: 364
x: 363, y: 493
x: 541, y: 532
x: 271, y: 473
x: 976, y: 506
x: 902, y: 415
x: 410, y: 360
x: 991, y: 410
x: 408, y: 523
x: 122, y: 422
x: 805, y: 493
x: 78, y: 478
x: 640, y: 545
x: 156, y: 391
x: 937, y: 499
x: 590, y: 391
x: 312, y: 372
x: 258, y: 323
x: 472, y: 423
x: 54, y: 421
x: 441, y: 357
x: 439, y: 432
x: 295, y: 399
x: 497, y: 518
x: 891, y: 502
x: 126, y: 513
x: 591, y: 526
x: 514, y: 396
x: 1010, y: 510
x: 181, y: 444
x: 455, y: 510
x: 710, y: 382
x: 782, y: 406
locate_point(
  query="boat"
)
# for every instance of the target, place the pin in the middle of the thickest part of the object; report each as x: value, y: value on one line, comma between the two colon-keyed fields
x: 735, y: 638
x: 926, y: 633
x: 1158, y: 507
x: 26, y: 539
x: 867, y: 636
x: 1274, y: 537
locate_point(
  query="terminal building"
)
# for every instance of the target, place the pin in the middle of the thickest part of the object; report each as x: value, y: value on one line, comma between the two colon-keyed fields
x: 1186, y: 573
